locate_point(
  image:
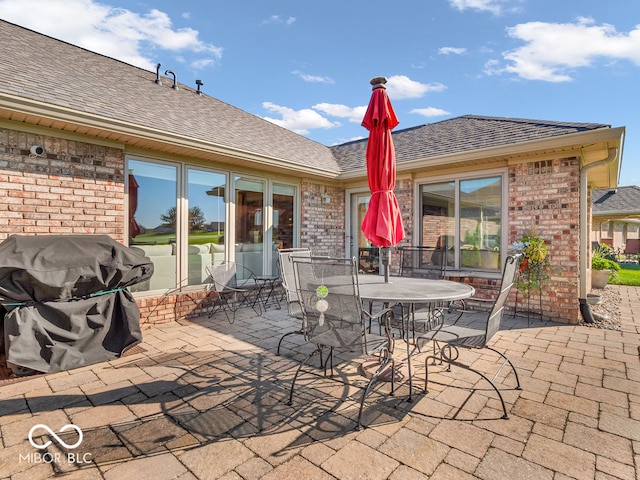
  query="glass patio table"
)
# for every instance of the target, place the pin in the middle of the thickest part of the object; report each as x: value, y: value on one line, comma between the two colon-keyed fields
x: 410, y: 291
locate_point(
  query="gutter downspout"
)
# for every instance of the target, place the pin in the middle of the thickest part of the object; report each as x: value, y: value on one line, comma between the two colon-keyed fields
x: 584, y: 234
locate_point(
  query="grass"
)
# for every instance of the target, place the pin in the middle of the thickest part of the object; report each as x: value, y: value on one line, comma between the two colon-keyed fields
x: 629, y: 274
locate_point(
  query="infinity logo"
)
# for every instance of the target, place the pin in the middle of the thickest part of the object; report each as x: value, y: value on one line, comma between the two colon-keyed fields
x: 69, y: 426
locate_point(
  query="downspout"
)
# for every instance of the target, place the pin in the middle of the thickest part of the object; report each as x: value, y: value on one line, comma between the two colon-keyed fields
x: 584, y: 234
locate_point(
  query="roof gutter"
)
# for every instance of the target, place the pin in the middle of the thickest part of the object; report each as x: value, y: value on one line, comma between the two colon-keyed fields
x: 584, y: 232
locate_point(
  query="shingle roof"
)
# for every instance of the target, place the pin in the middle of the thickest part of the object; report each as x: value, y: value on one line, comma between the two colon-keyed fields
x: 460, y: 134
x: 618, y: 201
x: 41, y: 68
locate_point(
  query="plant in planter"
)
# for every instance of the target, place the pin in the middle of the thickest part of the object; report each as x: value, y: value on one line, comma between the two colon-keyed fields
x: 603, y: 268
x: 535, y: 266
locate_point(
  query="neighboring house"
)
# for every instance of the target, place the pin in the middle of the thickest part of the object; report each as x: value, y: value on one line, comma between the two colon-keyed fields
x: 616, y: 218
x: 189, y: 179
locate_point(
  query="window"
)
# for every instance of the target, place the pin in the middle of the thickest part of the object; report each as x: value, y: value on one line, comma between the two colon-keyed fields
x: 184, y: 217
x: 283, y: 215
x: 250, y: 223
x: 206, y: 223
x: 153, y: 218
x: 465, y: 218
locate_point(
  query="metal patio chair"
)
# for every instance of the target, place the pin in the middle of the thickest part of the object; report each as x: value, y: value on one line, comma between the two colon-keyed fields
x: 424, y: 262
x: 333, y: 317
x: 236, y: 286
x: 448, y: 338
x: 285, y: 265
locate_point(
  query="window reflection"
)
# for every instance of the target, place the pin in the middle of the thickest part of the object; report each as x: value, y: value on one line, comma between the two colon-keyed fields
x: 153, y: 220
x: 249, y: 223
x: 207, y: 222
x: 475, y: 207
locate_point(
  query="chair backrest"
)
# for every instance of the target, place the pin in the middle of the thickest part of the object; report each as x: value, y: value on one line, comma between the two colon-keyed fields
x: 222, y: 275
x: 423, y: 261
x: 330, y: 301
x: 511, y: 265
x: 285, y: 264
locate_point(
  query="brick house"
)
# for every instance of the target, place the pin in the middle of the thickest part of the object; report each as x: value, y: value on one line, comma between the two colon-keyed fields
x: 616, y: 218
x: 188, y: 179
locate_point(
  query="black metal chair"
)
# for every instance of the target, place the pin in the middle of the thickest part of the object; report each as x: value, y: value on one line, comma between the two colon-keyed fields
x: 333, y: 317
x: 235, y: 286
x: 424, y: 262
x: 285, y: 265
x: 448, y: 338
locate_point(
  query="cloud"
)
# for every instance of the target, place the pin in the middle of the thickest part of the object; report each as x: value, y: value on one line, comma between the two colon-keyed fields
x: 451, y: 50
x: 353, y: 114
x: 493, y: 6
x: 400, y: 87
x: 312, y: 78
x: 277, y: 19
x: 111, y: 31
x: 553, y: 51
x: 430, y: 112
x: 299, y: 121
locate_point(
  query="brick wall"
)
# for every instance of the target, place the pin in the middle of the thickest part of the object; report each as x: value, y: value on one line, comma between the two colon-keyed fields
x: 322, y: 223
x: 545, y: 196
x: 73, y: 188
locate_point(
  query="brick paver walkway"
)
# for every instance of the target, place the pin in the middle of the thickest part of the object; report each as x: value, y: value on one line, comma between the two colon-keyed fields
x: 207, y: 400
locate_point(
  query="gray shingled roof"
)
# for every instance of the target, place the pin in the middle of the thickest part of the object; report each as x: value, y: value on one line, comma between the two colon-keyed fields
x: 38, y: 67
x: 44, y: 69
x: 460, y: 134
x: 622, y: 200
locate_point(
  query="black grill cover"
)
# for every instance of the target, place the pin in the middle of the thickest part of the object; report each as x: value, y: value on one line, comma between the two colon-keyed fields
x: 66, y: 302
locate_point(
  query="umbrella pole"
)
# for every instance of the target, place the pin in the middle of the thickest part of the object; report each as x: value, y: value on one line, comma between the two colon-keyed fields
x: 384, y: 259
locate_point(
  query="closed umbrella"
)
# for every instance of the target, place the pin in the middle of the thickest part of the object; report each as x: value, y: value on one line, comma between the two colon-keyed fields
x: 382, y: 224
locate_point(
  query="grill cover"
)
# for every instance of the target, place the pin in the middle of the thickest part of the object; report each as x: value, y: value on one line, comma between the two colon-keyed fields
x: 66, y: 302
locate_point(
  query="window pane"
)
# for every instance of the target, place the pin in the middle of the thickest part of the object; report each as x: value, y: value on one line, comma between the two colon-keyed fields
x: 249, y: 223
x: 207, y: 221
x: 438, y: 216
x: 480, y: 215
x: 153, y: 219
x: 283, y: 214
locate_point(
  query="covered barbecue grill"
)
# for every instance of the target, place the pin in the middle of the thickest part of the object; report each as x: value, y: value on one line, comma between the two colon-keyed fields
x: 65, y: 302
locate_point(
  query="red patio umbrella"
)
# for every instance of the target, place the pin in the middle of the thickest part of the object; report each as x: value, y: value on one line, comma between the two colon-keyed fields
x: 382, y: 224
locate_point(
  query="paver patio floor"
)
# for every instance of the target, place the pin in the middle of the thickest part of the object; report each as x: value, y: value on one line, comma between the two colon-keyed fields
x: 207, y: 400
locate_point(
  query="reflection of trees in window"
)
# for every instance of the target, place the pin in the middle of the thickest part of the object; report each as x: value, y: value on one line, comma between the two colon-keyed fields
x: 196, y: 219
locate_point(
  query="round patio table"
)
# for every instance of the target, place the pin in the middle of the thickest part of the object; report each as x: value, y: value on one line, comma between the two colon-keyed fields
x: 409, y: 291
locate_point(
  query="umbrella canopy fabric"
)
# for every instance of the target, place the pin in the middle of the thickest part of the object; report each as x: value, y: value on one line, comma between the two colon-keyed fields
x: 382, y: 224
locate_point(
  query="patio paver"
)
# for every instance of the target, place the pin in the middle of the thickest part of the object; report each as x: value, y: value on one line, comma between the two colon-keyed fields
x: 206, y: 399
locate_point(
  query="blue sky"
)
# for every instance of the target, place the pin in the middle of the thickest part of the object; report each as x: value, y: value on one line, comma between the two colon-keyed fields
x: 306, y: 65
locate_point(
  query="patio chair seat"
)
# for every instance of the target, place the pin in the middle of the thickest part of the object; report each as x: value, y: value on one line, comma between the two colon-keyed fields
x: 449, y: 337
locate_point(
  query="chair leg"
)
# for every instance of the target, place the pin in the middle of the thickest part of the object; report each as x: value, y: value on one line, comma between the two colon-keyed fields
x: 513, y: 368
x: 374, y: 377
x: 452, y: 361
x: 295, y: 377
x: 296, y: 332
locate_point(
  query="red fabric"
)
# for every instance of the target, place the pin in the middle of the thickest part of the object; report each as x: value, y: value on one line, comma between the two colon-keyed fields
x: 382, y: 224
x: 134, y: 228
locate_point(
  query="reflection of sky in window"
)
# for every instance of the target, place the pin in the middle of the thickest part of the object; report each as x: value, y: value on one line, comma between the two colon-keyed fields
x: 468, y: 186
x: 156, y: 192
x: 212, y: 203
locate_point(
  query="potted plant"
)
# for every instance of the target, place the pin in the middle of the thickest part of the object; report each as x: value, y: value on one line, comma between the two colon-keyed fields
x: 603, y: 268
x: 535, y: 263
